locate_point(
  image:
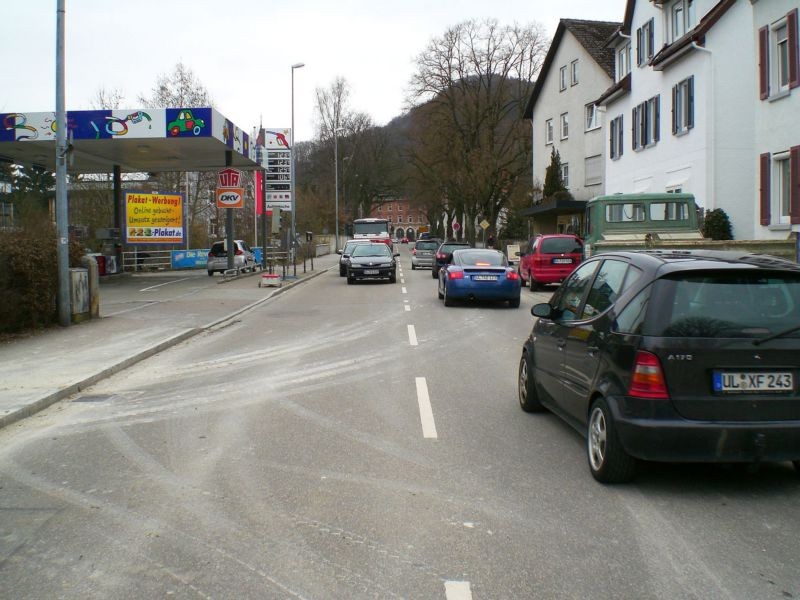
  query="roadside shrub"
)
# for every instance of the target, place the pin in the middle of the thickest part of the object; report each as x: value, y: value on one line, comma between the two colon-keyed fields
x: 29, y: 277
x: 717, y: 225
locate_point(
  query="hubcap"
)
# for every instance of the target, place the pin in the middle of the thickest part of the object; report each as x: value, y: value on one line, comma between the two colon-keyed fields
x: 523, y: 381
x: 597, y: 439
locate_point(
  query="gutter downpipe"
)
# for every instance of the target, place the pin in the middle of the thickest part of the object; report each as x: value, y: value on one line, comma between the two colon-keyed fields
x: 712, y: 197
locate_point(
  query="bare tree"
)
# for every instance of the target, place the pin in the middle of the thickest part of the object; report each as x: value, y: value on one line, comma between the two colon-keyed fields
x: 470, y: 148
x: 107, y: 99
x: 179, y: 89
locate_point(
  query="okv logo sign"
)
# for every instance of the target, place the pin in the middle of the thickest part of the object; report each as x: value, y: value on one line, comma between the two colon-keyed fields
x: 229, y: 194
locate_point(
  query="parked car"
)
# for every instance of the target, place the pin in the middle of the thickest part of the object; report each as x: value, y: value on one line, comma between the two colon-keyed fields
x: 372, y: 261
x: 671, y: 356
x: 443, y: 253
x: 243, y: 259
x: 478, y: 274
x: 404, y: 240
x: 345, y: 254
x: 550, y: 259
x: 424, y: 253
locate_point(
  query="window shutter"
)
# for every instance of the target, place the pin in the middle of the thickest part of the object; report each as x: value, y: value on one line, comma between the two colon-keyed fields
x: 794, y: 60
x: 794, y: 185
x: 651, y: 42
x: 763, y: 62
x: 639, y: 52
x: 674, y: 111
x: 690, y: 104
x: 764, y: 195
x: 657, y: 118
x: 621, y: 132
x: 612, y: 130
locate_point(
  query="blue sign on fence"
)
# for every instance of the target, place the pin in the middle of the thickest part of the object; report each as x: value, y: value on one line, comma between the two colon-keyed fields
x: 189, y: 259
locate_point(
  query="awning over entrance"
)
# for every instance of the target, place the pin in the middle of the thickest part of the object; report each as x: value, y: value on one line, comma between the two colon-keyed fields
x: 141, y: 140
x: 554, y: 206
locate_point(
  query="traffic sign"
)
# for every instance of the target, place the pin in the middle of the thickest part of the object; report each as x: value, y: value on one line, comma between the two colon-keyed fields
x: 456, y: 226
x: 485, y: 224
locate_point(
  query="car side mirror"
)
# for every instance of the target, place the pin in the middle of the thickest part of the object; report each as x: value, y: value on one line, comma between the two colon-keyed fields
x: 397, y: 254
x: 543, y: 311
x: 340, y: 252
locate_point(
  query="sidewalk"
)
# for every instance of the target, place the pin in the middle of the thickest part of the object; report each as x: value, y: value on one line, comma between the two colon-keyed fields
x: 52, y: 365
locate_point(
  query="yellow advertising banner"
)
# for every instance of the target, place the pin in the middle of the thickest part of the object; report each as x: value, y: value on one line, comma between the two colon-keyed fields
x: 153, y: 218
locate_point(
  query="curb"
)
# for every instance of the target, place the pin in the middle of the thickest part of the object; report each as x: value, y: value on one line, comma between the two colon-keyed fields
x: 50, y: 399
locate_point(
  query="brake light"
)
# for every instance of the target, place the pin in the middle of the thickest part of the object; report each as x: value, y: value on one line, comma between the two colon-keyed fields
x: 455, y: 274
x: 441, y: 255
x: 512, y: 275
x: 648, y: 378
x: 239, y: 252
x: 414, y: 252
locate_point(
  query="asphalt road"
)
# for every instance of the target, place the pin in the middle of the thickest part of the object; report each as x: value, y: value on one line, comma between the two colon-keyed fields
x: 363, y: 441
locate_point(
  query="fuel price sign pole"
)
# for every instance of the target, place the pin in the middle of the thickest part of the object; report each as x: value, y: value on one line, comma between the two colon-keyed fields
x: 229, y: 196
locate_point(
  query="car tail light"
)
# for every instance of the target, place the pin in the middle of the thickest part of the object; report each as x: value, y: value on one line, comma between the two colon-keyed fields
x: 648, y: 378
x: 239, y: 252
x: 455, y: 274
x: 512, y: 275
x: 441, y: 255
x: 414, y: 252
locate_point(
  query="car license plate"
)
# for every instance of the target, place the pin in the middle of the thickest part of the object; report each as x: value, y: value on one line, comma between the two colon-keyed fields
x: 371, y: 271
x: 732, y: 382
x: 484, y: 277
x: 562, y: 261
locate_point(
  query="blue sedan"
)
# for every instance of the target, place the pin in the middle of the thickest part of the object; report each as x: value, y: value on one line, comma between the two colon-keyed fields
x: 477, y: 274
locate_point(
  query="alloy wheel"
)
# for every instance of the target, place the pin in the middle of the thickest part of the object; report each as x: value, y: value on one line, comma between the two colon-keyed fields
x: 597, y: 438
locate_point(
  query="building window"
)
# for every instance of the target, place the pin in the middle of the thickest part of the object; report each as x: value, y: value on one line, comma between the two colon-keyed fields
x: 379, y: 209
x: 623, y: 61
x: 683, y: 106
x: 574, y: 72
x: 782, y: 58
x: 616, y: 137
x: 782, y: 188
x: 564, y: 126
x: 389, y: 207
x: 645, y: 43
x: 565, y: 174
x: 778, y: 57
x: 593, y: 170
x: 592, y: 117
x: 646, y: 121
x: 548, y: 131
x: 682, y: 18
x: 562, y: 78
x: 399, y: 207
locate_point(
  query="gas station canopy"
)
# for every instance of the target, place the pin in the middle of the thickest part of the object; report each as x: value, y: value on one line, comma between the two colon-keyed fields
x: 143, y: 140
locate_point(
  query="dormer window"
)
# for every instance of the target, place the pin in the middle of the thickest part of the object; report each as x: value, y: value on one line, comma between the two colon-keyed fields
x: 681, y: 18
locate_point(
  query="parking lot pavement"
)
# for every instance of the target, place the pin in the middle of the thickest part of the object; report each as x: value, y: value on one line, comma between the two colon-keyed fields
x: 141, y: 315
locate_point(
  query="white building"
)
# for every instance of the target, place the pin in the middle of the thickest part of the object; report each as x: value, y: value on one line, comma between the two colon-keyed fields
x: 684, y: 113
x: 577, y: 68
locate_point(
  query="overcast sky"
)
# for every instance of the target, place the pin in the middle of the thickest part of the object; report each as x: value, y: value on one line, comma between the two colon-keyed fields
x: 242, y: 50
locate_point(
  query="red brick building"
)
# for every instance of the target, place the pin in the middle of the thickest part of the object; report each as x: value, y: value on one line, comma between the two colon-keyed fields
x: 407, y: 220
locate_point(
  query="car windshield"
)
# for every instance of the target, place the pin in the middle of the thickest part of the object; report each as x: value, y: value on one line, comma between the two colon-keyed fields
x: 371, y: 250
x: 726, y: 304
x: 480, y: 258
x: 561, y: 246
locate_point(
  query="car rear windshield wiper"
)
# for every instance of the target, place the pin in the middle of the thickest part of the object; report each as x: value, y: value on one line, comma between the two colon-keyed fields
x: 760, y: 341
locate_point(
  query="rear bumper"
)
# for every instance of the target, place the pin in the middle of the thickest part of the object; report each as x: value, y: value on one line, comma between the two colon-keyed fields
x: 665, y: 436
x: 422, y: 261
x: 461, y: 288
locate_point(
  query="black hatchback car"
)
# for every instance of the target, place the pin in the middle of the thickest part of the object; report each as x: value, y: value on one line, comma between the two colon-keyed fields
x: 671, y: 356
x: 443, y: 254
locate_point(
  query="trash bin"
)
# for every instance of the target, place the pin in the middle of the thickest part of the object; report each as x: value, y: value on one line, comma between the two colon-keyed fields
x: 101, y: 264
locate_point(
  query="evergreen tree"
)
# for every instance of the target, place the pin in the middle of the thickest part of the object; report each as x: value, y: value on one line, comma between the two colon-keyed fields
x: 553, y: 182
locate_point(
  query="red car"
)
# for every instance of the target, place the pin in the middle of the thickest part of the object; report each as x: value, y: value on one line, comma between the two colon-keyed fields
x: 550, y: 259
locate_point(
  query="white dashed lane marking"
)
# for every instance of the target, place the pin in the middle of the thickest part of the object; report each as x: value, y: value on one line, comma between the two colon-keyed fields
x: 404, y: 290
x: 412, y: 335
x: 426, y: 416
x: 457, y: 590
x: 408, y: 308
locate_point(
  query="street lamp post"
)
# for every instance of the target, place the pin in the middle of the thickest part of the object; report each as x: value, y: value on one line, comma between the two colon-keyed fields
x: 294, y: 176
x: 336, y: 131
